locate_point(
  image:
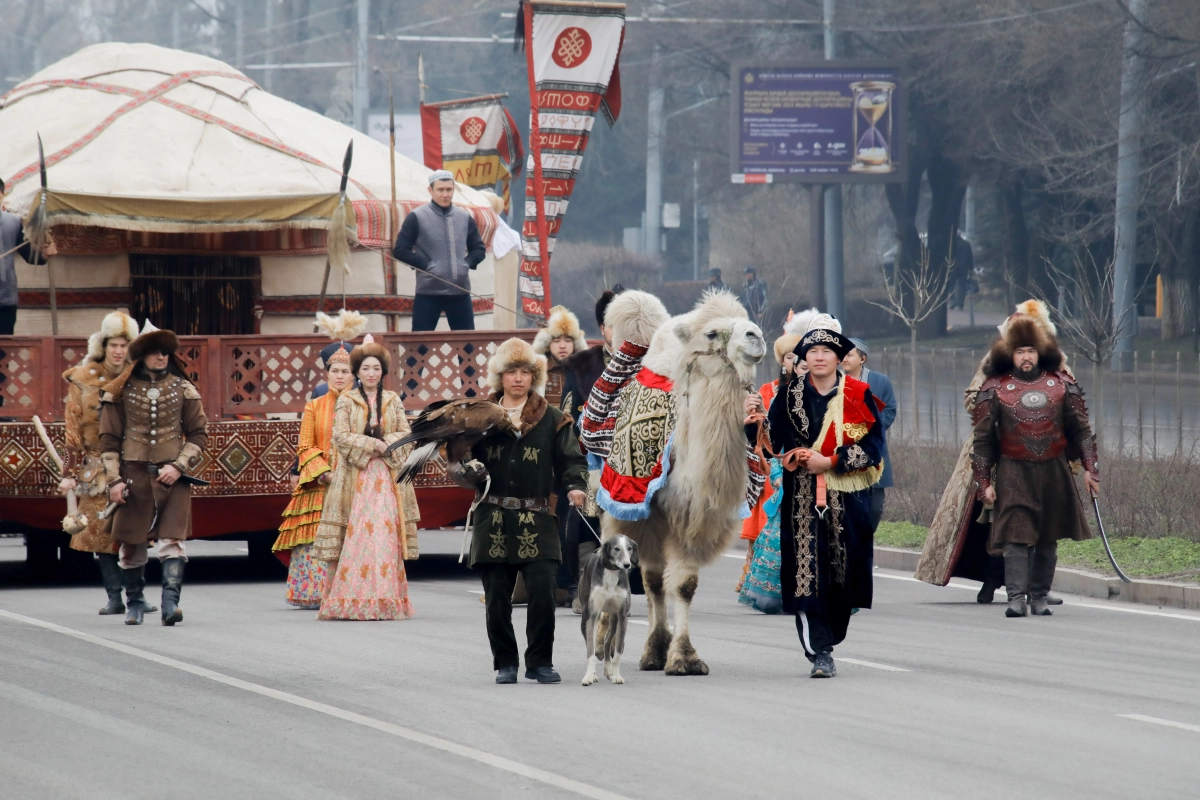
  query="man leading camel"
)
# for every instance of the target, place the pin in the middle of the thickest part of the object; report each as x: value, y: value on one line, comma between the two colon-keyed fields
x: 827, y: 430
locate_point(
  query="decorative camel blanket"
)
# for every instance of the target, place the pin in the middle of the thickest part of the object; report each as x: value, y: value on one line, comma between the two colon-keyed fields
x: 639, y: 460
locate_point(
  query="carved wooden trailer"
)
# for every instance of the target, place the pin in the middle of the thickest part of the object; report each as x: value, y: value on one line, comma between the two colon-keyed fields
x: 254, y: 389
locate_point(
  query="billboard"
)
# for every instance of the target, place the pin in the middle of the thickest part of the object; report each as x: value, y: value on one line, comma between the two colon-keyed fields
x: 817, y: 122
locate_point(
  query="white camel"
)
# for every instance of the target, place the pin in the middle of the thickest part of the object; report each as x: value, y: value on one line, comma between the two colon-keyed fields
x: 710, y: 355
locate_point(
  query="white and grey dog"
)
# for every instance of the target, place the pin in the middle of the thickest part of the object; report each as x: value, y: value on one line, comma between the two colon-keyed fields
x: 604, y: 594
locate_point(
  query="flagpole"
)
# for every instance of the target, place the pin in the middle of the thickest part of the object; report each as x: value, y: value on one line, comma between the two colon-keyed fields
x: 389, y: 274
x: 535, y: 150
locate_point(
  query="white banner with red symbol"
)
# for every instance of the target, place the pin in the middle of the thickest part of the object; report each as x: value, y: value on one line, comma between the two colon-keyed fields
x: 475, y: 138
x: 572, y: 51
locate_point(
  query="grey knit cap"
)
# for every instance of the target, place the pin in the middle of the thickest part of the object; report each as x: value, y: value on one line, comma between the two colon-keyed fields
x: 860, y: 346
x: 440, y: 175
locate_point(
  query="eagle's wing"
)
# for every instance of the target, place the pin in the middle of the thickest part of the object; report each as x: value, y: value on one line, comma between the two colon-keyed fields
x: 452, y: 430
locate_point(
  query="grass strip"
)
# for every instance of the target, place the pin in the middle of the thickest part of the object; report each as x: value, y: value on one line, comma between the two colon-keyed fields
x: 1167, y: 558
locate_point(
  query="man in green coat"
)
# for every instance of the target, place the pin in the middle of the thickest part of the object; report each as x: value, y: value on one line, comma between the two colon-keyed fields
x: 515, y: 531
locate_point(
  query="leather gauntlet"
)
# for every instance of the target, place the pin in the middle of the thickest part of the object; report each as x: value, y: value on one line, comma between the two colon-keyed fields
x: 112, y: 467
x: 981, y: 468
x: 189, y: 457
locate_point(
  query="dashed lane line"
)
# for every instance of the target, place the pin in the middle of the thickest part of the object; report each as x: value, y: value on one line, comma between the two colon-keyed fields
x: 872, y: 664
x: 1183, y: 726
x: 446, y: 746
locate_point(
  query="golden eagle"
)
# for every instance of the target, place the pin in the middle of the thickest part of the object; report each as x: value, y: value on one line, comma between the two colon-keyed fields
x: 449, y: 430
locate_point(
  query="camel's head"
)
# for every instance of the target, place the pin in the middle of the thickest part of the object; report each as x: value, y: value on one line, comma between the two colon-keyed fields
x: 719, y: 326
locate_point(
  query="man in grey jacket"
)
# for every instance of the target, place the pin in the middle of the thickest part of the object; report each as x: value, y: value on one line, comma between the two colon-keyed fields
x: 12, y: 233
x: 443, y: 243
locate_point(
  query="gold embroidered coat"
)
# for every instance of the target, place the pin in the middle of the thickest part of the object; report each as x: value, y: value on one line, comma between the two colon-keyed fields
x: 81, y: 459
x: 351, y: 451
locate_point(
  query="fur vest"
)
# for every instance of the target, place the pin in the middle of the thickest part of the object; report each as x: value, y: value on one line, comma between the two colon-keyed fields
x: 82, y: 416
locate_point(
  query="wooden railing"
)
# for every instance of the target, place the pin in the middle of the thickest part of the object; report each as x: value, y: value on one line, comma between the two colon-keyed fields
x: 253, y: 376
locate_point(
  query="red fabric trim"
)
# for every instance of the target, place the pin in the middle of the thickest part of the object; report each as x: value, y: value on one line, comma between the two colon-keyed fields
x: 510, y: 145
x: 611, y: 105
x: 431, y: 135
x: 364, y: 303
x: 652, y: 380
x: 76, y: 298
x: 627, y: 489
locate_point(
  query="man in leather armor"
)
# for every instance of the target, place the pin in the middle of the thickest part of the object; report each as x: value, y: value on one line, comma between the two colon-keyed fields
x: 1030, y: 418
x: 152, y: 431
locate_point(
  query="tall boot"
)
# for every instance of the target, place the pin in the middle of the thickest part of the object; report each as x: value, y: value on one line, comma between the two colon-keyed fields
x: 993, y: 579
x: 110, y: 576
x: 172, y: 577
x: 1016, y: 578
x: 135, y: 600
x: 1041, y: 576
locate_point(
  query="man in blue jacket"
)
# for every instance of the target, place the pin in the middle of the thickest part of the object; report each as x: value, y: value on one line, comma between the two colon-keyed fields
x: 855, y: 365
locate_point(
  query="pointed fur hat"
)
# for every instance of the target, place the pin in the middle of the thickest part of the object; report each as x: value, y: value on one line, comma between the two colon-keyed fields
x: 118, y: 323
x: 795, y: 327
x: 515, y: 353
x: 561, y: 323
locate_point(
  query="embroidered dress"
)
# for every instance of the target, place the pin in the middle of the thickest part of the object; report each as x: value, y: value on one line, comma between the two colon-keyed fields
x: 306, y: 577
x: 368, y: 580
x: 760, y: 589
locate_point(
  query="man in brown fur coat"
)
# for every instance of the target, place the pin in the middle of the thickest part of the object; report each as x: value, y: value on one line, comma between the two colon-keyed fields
x: 152, y: 431
x: 1029, y: 418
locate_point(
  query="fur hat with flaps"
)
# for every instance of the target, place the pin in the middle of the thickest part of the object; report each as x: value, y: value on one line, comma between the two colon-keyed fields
x: 118, y: 323
x: 793, y: 329
x: 561, y: 323
x: 1024, y: 330
x: 515, y: 353
x: 367, y: 349
x: 152, y: 340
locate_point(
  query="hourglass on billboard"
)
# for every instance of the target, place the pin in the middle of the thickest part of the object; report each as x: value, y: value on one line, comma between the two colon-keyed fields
x: 872, y: 109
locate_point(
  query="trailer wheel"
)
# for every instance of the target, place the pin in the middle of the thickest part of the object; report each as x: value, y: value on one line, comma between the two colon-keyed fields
x: 41, y: 554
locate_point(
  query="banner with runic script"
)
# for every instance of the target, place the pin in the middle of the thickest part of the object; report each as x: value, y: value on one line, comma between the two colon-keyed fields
x: 572, y: 50
x: 475, y: 138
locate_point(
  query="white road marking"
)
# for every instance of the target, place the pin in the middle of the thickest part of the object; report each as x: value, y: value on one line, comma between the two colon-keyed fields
x: 640, y: 622
x: 738, y: 556
x: 1156, y: 721
x: 1114, y: 606
x: 872, y: 665
x: 499, y: 762
x: 474, y: 591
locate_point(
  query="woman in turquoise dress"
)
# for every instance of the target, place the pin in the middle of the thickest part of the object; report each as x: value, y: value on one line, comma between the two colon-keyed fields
x: 761, y: 588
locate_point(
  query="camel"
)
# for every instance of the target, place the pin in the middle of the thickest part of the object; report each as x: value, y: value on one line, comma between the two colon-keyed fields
x: 709, y: 354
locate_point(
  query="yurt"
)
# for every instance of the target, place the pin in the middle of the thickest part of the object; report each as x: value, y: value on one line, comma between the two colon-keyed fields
x: 179, y: 189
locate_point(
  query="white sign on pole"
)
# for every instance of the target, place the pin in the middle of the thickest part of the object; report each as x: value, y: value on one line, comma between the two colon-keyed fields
x: 408, y: 133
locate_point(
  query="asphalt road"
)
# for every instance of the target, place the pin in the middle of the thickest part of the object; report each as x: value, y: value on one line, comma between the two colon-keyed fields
x: 936, y: 697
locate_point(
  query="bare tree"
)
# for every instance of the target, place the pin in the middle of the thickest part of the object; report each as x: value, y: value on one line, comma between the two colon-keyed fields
x: 912, y: 296
x: 1087, y: 320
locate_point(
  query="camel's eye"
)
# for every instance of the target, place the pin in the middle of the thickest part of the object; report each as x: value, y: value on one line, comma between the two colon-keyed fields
x: 711, y: 335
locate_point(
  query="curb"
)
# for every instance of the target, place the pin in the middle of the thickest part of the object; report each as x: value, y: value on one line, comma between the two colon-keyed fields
x: 1073, y: 581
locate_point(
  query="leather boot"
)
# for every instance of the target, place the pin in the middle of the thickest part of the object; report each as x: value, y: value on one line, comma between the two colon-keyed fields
x: 1041, y: 576
x: 172, y: 578
x: 135, y: 601
x: 110, y: 576
x: 1016, y: 578
x: 993, y: 579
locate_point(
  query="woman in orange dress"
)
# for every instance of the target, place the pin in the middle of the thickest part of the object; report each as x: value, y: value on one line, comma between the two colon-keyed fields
x: 315, y: 462
x: 369, y: 522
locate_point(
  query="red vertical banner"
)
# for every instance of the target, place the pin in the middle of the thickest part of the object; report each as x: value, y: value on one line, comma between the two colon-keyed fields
x: 572, y: 50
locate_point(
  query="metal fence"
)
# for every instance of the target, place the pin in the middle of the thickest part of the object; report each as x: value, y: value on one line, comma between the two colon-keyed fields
x: 1150, y: 412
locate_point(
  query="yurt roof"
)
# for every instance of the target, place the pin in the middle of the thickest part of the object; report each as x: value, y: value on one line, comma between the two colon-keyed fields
x: 143, y: 137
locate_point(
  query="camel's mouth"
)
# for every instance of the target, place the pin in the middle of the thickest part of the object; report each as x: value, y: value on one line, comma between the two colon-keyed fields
x: 753, y: 349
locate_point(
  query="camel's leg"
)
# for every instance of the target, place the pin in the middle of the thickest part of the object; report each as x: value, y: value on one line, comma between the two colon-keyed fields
x: 654, y: 657
x: 682, y: 658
